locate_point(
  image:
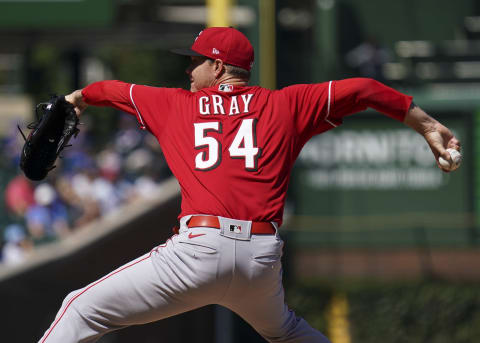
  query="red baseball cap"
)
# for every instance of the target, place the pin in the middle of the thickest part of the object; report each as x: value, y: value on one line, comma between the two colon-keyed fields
x: 225, y: 43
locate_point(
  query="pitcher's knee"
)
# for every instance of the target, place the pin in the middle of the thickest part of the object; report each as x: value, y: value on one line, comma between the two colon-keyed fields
x: 78, y: 308
x: 68, y: 298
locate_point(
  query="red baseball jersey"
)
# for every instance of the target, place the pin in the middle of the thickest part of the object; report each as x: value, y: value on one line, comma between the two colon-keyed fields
x: 232, y: 148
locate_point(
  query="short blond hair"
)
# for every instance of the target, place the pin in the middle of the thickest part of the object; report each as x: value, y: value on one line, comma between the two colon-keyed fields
x: 234, y: 70
x: 237, y: 71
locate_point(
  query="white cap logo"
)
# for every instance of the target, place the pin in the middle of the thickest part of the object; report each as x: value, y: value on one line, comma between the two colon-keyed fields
x: 215, y: 51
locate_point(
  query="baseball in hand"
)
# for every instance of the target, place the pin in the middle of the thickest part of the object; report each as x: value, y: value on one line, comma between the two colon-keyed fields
x: 456, y: 160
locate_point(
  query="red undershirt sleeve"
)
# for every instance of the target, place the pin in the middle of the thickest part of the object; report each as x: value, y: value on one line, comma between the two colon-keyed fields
x: 150, y: 105
x: 112, y: 93
x: 316, y: 108
x: 354, y: 95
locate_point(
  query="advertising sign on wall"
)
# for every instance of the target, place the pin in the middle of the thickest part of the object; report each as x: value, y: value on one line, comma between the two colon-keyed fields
x: 372, y: 165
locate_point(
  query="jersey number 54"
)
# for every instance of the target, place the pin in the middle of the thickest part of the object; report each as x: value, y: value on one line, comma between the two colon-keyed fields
x: 244, y: 145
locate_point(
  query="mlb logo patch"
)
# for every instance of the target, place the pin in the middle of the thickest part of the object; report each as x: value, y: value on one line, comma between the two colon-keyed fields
x: 235, y: 228
x: 225, y: 88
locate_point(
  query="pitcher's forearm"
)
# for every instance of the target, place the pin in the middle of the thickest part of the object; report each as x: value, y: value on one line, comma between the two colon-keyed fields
x: 419, y: 120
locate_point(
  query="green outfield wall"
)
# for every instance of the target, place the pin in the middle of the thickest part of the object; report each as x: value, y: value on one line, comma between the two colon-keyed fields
x: 374, y: 182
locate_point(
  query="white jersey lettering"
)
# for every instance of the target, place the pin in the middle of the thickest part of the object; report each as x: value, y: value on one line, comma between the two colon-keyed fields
x: 204, y: 106
x: 217, y: 104
x: 234, y: 106
x: 246, y: 100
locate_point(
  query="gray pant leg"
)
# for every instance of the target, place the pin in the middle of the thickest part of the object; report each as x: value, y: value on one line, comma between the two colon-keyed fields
x: 155, y: 286
x: 275, y: 322
x: 259, y: 296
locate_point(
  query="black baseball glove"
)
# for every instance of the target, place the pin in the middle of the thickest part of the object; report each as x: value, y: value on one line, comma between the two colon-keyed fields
x: 56, y: 123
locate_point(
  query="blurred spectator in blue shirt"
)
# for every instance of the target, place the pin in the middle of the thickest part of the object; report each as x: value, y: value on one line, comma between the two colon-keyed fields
x: 17, y: 245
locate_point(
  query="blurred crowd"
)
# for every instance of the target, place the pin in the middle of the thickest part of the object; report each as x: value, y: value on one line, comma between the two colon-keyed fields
x: 88, y: 182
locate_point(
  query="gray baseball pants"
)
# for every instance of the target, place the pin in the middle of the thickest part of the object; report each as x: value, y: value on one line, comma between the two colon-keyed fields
x: 195, y: 268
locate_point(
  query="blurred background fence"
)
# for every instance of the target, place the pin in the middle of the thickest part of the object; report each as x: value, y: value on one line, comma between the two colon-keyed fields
x: 381, y: 246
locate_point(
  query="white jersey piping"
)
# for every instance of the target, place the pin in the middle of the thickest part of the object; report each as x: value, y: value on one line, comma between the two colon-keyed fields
x: 139, y: 116
x: 328, y: 106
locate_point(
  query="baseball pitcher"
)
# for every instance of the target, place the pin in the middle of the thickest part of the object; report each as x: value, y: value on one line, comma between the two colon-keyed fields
x: 232, y: 147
